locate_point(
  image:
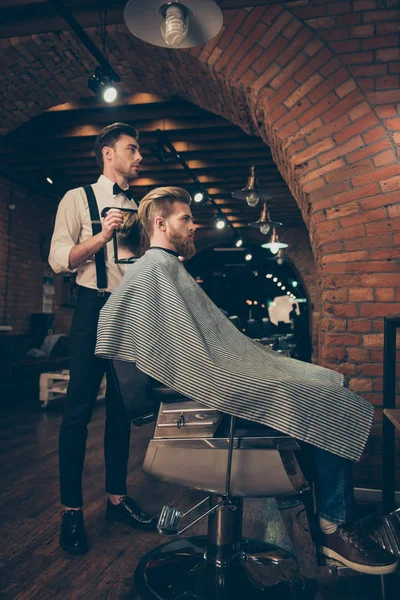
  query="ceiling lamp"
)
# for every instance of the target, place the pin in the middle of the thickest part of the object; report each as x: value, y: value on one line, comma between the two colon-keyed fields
x: 239, y: 243
x: 220, y: 223
x: 274, y: 244
x: 248, y: 257
x: 264, y: 223
x: 174, y: 24
x: 251, y: 193
x: 160, y: 150
x: 101, y: 85
x: 279, y: 256
x: 199, y: 196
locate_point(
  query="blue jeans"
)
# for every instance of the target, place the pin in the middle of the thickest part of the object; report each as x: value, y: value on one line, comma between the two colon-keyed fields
x: 333, y: 485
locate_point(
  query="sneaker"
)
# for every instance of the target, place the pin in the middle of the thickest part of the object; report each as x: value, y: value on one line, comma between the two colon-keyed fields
x: 354, y: 549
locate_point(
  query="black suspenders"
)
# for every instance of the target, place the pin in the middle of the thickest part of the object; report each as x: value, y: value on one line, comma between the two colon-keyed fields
x: 100, y: 257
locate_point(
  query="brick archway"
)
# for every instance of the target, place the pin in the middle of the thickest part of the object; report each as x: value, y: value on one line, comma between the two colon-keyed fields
x: 319, y: 84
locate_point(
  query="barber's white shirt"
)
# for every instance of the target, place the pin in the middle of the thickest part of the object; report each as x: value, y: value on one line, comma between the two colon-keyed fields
x: 73, y: 226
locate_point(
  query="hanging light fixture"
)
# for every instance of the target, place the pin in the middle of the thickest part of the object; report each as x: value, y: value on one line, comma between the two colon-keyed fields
x: 252, y: 193
x: 264, y: 223
x: 274, y: 244
x: 101, y: 85
x: 279, y: 257
x: 178, y: 24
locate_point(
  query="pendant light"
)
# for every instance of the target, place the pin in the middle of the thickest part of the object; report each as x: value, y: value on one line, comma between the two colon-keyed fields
x: 179, y: 24
x: 252, y: 192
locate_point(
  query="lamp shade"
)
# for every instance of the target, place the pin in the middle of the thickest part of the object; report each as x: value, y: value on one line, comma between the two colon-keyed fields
x: 252, y: 194
x: 145, y: 18
x: 264, y: 223
x: 274, y: 244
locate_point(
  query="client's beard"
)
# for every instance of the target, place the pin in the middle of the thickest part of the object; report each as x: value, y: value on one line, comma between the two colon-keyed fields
x: 184, y: 246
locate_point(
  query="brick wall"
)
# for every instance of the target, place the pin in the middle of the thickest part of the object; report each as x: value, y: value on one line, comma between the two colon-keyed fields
x: 319, y: 82
x: 21, y: 266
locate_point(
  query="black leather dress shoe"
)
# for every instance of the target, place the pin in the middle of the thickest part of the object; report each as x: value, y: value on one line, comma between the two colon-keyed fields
x: 131, y: 513
x: 73, y: 536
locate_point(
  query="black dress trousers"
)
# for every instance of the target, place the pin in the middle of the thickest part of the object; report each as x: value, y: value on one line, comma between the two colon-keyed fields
x: 86, y: 374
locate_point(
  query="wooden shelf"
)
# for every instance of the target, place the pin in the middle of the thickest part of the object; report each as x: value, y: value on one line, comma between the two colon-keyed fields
x: 393, y: 414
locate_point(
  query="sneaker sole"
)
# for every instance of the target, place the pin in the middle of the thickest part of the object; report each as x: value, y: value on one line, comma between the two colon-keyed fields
x: 382, y: 570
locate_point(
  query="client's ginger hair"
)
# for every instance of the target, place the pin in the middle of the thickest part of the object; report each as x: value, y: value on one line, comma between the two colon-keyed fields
x: 158, y: 203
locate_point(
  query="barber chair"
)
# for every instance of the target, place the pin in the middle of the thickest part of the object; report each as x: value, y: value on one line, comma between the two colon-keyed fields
x: 229, y: 459
x: 236, y: 321
x: 253, y: 329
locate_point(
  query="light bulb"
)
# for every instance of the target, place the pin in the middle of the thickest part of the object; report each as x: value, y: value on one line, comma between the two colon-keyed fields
x: 264, y: 228
x: 252, y: 198
x: 49, y: 180
x: 248, y: 257
x: 110, y: 93
x: 175, y: 27
x: 294, y: 284
x: 220, y: 224
x: 239, y: 243
x: 274, y: 247
x: 280, y: 261
x: 198, y: 197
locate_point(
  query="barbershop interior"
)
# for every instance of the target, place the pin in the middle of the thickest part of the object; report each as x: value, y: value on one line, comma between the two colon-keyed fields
x: 231, y: 428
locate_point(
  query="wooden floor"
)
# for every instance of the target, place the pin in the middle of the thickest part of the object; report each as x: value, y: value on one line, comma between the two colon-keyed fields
x: 33, y: 567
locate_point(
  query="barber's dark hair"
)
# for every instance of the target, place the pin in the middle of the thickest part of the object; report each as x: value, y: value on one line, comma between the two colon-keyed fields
x: 109, y: 136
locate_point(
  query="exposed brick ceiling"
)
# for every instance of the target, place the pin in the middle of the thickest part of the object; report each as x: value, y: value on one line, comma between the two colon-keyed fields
x: 59, y: 142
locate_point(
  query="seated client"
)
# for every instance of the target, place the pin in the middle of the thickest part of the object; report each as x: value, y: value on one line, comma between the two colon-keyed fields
x: 160, y: 318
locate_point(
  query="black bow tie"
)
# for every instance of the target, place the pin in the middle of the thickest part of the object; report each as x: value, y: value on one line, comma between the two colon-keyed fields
x: 118, y: 190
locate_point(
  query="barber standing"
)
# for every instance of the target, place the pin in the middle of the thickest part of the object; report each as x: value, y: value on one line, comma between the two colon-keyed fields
x: 82, y: 243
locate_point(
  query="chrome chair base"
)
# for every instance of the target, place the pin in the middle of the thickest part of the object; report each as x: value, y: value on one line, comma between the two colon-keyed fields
x: 179, y: 570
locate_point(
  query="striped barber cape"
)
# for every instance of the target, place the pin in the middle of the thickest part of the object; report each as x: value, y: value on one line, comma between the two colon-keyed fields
x: 160, y: 318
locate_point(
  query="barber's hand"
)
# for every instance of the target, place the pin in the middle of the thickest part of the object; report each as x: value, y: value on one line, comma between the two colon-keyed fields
x: 111, y: 222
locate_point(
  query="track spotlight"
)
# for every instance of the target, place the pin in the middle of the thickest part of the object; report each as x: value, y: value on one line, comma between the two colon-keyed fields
x: 179, y: 24
x: 161, y: 151
x: 220, y: 223
x: 199, y: 196
x: 101, y: 85
x: 251, y: 193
